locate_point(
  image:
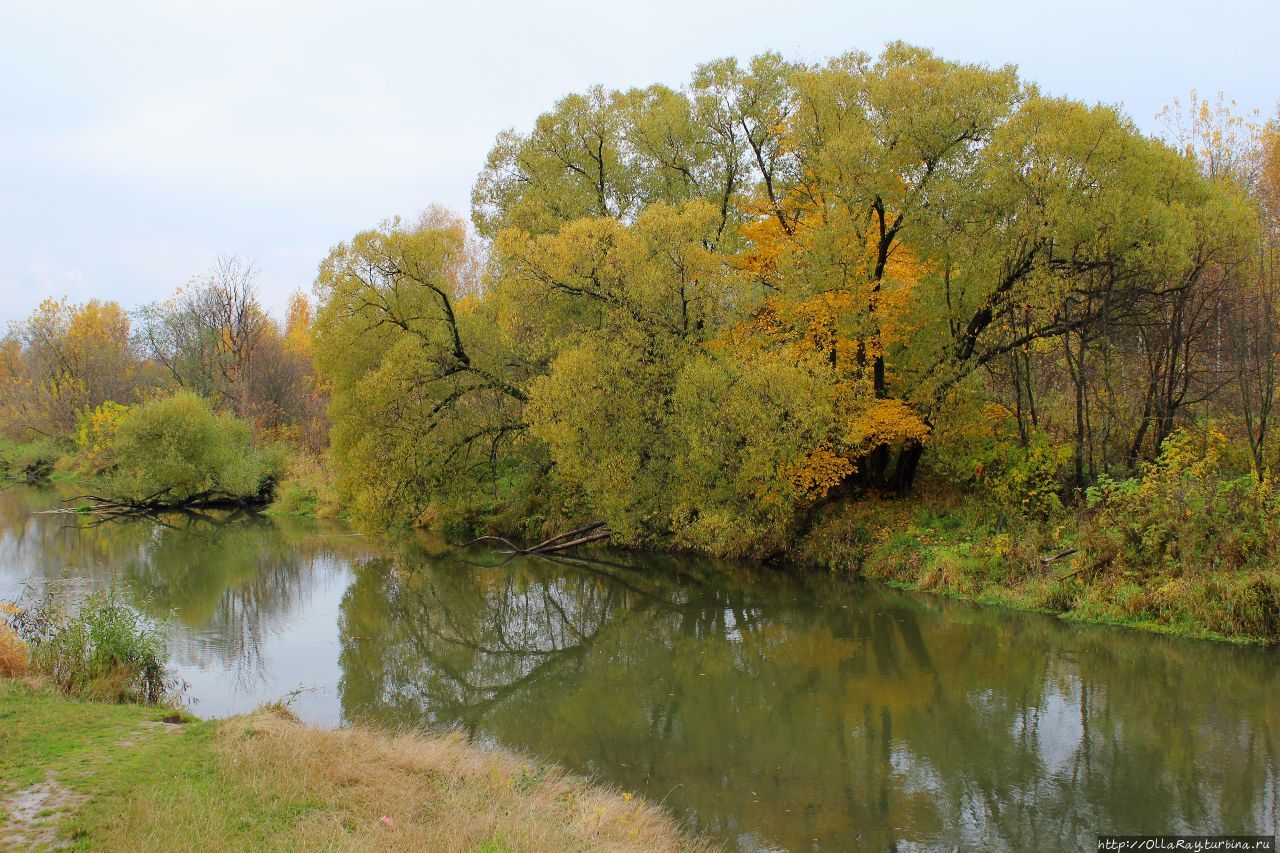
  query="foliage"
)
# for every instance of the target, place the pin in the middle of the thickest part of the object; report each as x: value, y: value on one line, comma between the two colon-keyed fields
x: 60, y: 360
x: 213, y: 338
x: 984, y: 451
x: 104, y: 650
x: 709, y: 314
x: 96, y: 436
x: 1188, y: 515
x: 961, y: 546
x: 175, y: 451
x: 755, y: 441
x: 30, y: 462
x: 305, y: 488
x: 424, y: 409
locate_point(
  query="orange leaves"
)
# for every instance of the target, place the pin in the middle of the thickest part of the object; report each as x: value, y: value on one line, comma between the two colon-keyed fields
x: 766, y: 239
x: 831, y: 291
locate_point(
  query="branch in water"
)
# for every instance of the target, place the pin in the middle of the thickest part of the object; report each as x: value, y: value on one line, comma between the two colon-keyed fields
x: 562, y: 542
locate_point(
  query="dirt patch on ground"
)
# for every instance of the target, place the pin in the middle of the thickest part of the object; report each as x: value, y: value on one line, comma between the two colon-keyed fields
x: 30, y: 815
x: 161, y: 725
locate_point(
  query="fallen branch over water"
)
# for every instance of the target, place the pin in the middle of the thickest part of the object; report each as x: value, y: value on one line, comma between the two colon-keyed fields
x: 562, y: 542
x: 163, y: 501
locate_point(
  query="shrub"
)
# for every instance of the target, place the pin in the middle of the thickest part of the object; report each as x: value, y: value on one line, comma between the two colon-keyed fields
x: 176, y: 450
x: 95, y: 437
x: 105, y: 650
x: 986, y: 452
x: 1189, y: 513
x: 304, y: 487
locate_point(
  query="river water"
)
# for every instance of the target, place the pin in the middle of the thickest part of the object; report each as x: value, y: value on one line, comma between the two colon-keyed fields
x: 767, y: 710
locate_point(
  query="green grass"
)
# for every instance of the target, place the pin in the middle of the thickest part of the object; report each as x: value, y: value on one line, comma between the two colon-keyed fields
x: 123, y: 755
x: 111, y: 752
x: 128, y: 781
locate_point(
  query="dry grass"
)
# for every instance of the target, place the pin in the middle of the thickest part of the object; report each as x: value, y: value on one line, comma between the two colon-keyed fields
x: 15, y: 657
x: 358, y: 789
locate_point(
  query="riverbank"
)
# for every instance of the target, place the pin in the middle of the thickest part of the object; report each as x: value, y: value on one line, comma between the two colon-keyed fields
x: 1185, y: 549
x: 103, y: 776
x: 1080, y: 566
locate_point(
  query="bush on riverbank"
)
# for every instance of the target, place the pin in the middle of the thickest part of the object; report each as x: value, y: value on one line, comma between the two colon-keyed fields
x: 176, y: 451
x: 1187, y: 547
x: 105, y: 650
x: 305, y: 488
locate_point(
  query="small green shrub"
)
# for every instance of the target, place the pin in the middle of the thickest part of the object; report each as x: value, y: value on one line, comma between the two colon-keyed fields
x: 985, y: 451
x: 105, y: 650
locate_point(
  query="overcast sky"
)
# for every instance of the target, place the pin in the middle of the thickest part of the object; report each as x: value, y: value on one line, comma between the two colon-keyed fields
x: 138, y: 141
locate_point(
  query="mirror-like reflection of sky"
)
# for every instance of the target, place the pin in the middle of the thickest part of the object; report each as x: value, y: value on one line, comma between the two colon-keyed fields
x: 769, y: 710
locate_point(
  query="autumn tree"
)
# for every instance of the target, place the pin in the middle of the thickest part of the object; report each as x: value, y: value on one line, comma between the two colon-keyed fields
x: 706, y: 314
x: 424, y: 400
x: 214, y: 338
x: 62, y: 360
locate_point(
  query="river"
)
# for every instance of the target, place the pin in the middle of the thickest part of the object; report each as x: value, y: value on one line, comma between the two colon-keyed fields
x: 769, y: 710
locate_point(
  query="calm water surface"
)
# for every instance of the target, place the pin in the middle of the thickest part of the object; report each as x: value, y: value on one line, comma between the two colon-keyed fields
x: 769, y: 711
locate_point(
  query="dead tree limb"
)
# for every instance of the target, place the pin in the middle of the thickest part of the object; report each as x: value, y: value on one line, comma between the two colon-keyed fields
x: 572, y: 539
x: 1053, y: 558
x: 571, y: 534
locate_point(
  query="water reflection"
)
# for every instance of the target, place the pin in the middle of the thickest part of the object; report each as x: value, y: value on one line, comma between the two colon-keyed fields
x: 821, y: 714
x: 238, y: 588
x: 768, y: 710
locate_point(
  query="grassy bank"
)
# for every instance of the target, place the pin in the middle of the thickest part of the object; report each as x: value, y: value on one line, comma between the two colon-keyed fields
x: 1087, y: 565
x: 112, y: 777
x: 33, y: 461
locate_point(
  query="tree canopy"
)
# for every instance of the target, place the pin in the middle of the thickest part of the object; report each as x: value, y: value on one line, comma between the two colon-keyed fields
x: 705, y: 313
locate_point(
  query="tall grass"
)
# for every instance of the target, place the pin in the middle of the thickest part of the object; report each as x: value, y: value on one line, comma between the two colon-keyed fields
x: 103, y: 649
x: 15, y: 657
x: 286, y: 786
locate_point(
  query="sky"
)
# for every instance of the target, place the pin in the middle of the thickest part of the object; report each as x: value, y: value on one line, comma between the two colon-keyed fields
x: 141, y: 140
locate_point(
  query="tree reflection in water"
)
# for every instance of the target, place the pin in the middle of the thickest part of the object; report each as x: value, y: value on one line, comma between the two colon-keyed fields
x: 230, y: 579
x: 780, y: 711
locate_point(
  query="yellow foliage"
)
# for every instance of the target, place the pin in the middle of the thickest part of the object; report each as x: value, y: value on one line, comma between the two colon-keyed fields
x: 297, y: 327
x: 995, y: 414
x: 820, y: 472
x: 887, y: 422
x: 830, y: 293
x: 96, y: 431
